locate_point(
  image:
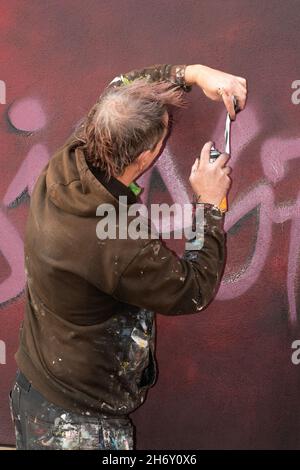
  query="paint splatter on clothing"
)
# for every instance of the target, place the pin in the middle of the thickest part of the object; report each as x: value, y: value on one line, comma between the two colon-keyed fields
x: 40, y: 425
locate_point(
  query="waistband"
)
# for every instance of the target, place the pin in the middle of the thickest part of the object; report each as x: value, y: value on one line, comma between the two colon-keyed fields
x: 22, y: 381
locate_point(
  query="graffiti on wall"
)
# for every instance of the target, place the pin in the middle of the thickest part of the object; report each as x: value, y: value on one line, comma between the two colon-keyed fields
x: 2, y: 92
x: 2, y: 352
x: 25, y: 115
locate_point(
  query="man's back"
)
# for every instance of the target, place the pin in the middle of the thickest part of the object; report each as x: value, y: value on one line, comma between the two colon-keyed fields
x: 83, y: 342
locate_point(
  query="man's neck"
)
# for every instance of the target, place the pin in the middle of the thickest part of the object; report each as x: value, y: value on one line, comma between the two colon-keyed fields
x: 129, y: 176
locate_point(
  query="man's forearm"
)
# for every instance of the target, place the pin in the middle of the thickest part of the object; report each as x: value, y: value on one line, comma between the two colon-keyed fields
x: 175, y: 74
x: 193, y: 74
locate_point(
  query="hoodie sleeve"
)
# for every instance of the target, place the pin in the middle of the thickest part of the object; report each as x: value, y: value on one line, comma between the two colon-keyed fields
x: 158, y: 280
x: 172, y: 73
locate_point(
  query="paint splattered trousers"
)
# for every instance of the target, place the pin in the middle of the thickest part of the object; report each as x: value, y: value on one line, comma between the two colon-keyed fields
x: 40, y: 425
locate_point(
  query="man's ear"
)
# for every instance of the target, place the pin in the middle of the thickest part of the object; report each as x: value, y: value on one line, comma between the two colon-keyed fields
x: 143, y: 160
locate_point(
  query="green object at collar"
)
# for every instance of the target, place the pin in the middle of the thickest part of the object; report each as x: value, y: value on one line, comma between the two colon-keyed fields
x: 135, y: 188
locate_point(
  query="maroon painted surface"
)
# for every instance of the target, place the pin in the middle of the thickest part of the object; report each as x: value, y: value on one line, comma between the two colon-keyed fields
x: 226, y: 378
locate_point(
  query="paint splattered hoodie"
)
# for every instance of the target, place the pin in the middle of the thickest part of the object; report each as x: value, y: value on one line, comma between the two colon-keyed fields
x: 87, y: 339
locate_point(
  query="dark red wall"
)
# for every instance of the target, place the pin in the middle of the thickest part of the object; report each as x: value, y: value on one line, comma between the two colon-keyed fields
x: 226, y: 377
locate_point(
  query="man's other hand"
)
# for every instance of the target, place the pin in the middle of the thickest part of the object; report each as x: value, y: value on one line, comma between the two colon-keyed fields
x: 218, y: 86
x: 210, y: 181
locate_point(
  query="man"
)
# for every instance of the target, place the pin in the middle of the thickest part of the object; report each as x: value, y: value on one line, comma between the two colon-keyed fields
x: 86, y: 354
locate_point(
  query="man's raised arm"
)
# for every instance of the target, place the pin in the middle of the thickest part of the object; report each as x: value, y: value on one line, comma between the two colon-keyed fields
x: 175, y: 74
x: 216, y: 85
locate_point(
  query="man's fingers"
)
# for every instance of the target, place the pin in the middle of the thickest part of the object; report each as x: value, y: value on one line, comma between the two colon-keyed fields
x: 228, y: 101
x: 205, y: 159
x: 227, y: 170
x: 222, y: 160
x: 242, y: 81
x: 205, y: 153
x: 237, y: 89
x: 241, y: 98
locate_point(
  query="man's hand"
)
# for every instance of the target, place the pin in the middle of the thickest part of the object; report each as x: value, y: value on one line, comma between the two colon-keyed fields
x: 218, y: 86
x: 210, y: 181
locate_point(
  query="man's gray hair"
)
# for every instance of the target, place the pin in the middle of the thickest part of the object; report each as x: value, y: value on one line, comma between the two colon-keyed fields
x: 125, y: 121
